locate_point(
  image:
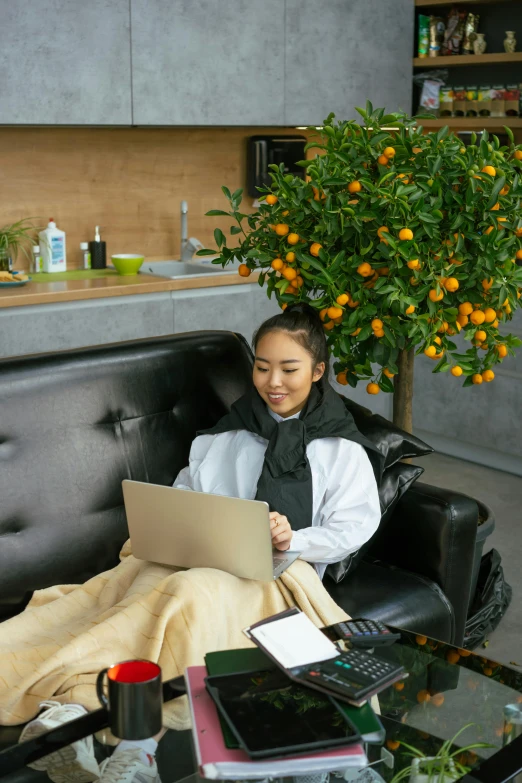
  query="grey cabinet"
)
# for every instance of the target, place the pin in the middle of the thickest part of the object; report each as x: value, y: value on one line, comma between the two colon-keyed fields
x: 202, y: 62
x: 339, y: 53
x: 65, y: 62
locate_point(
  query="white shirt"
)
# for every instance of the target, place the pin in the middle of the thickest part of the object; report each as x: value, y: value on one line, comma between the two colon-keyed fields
x: 346, y: 509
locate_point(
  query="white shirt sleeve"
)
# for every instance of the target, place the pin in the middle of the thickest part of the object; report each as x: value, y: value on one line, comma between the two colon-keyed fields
x: 350, y: 512
x: 198, y: 452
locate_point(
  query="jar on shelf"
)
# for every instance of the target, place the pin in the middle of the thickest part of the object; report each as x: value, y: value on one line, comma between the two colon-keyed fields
x: 510, y: 42
x: 479, y: 44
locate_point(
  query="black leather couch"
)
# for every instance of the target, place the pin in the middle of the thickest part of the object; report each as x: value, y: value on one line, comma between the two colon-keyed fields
x: 74, y: 424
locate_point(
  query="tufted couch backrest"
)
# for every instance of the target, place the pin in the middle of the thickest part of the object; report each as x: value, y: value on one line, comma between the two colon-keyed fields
x: 74, y: 425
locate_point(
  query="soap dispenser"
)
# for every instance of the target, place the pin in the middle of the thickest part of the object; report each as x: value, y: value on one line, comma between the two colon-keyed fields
x: 98, y: 251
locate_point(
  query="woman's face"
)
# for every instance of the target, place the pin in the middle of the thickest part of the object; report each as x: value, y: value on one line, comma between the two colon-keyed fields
x: 283, y: 373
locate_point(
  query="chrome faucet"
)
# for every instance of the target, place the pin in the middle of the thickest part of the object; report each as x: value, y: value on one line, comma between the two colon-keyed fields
x: 188, y: 246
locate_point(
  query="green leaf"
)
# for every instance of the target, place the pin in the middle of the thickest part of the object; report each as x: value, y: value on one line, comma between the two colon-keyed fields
x: 509, y: 133
x: 206, y: 252
x: 219, y: 237
x: 216, y: 213
x: 468, y: 381
x: 261, y: 279
x: 365, y: 332
x: 502, y: 294
x: 237, y: 195
x: 235, y: 230
x: 385, y: 384
x: 226, y: 191
x: 388, y: 333
x: 497, y: 187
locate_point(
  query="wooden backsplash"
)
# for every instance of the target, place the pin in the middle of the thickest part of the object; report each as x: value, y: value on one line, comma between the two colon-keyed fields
x: 130, y: 181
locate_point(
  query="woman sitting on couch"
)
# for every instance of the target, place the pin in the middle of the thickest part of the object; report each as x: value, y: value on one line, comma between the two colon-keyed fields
x: 289, y: 441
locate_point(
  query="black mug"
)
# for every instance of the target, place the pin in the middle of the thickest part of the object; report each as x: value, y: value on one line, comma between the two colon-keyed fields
x: 135, y: 699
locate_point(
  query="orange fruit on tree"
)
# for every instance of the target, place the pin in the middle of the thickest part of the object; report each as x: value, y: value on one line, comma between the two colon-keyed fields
x: 480, y: 335
x: 414, y: 281
x: 277, y: 264
x: 430, y: 351
x: 315, y: 248
x: 341, y: 378
x: 322, y: 314
x: 443, y: 327
x: 409, y: 310
x: 378, y: 332
x: 355, y: 186
x: 364, y: 269
x: 456, y: 371
x: 373, y: 388
x: 329, y: 325
x: 334, y: 312
x: 452, y: 656
x: 389, y: 152
x: 354, y: 334
x: 487, y: 671
x: 495, y: 207
x: 489, y: 230
x: 462, y: 320
x: 519, y: 255
x: 477, y: 378
x: 423, y: 696
x: 465, y: 308
x: 388, y: 373
x: 299, y: 282
x: 342, y: 299
x: 243, y: 270
x: 416, y: 150
x: 488, y: 376
x: 489, y: 170
x: 518, y: 154
x: 383, y: 230
x: 486, y: 284
x: 477, y: 317
x: 421, y: 639
x: 353, y: 304
x: 382, y: 160
x: 377, y: 324
x: 399, y: 686
x: 271, y: 199
x: 392, y: 744
x: 285, y: 213
x: 282, y: 229
x: 413, y: 264
x: 289, y: 273
x: 405, y: 234
x: 501, y: 350
x: 290, y: 257
x: 384, y: 271
x: 504, y: 191
x: 292, y: 239
x: 437, y: 340
x: 284, y: 306
x: 437, y: 699
x: 451, y: 284
x: 434, y: 296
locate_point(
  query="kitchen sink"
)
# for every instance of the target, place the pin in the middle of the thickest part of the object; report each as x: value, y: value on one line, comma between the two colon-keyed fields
x: 177, y: 269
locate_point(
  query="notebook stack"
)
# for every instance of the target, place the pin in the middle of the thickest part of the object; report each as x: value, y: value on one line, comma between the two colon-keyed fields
x: 218, y: 755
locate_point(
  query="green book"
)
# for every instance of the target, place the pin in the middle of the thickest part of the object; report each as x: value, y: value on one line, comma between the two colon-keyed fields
x: 252, y: 659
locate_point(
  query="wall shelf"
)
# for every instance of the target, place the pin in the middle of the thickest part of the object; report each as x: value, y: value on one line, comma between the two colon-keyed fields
x: 473, y: 123
x: 466, y: 59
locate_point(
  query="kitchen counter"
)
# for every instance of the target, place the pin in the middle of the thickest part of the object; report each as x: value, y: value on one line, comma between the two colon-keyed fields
x: 113, y: 285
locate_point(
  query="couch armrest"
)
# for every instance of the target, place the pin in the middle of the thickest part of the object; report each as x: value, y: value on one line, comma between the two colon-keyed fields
x: 432, y: 532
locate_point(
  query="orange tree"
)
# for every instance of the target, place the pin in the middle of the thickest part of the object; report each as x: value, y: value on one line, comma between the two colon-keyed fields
x: 400, y: 240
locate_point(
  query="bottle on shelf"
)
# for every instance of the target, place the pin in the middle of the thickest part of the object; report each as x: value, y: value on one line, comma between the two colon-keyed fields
x: 52, y: 245
x: 98, y: 251
x: 86, y: 255
x: 37, y: 260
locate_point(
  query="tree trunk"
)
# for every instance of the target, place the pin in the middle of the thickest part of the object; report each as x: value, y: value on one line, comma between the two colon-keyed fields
x: 403, y: 393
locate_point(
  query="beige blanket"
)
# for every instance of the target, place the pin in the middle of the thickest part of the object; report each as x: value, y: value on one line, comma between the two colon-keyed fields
x: 67, y: 634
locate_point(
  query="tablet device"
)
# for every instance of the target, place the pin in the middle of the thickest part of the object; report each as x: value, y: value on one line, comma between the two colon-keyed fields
x: 272, y: 716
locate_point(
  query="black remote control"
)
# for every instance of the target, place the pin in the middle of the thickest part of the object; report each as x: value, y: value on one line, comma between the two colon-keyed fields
x: 361, y: 633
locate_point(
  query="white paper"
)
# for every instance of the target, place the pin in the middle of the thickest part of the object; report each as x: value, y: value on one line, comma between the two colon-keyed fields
x: 294, y: 641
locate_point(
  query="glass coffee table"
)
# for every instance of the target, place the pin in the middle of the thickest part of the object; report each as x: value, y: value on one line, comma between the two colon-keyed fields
x: 446, y: 689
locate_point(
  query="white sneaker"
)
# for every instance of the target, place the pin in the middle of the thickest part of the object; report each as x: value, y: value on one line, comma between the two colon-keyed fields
x: 126, y: 766
x: 75, y: 763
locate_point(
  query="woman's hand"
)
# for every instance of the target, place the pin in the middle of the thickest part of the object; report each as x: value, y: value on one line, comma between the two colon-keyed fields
x: 281, y: 531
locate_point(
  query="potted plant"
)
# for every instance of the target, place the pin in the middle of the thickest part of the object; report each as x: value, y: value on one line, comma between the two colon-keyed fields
x: 446, y: 765
x: 14, y: 238
x: 402, y: 240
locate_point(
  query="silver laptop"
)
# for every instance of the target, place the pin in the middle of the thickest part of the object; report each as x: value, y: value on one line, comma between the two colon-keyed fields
x: 179, y: 527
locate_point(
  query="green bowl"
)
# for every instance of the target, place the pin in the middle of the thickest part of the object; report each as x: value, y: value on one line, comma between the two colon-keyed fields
x: 127, y: 263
